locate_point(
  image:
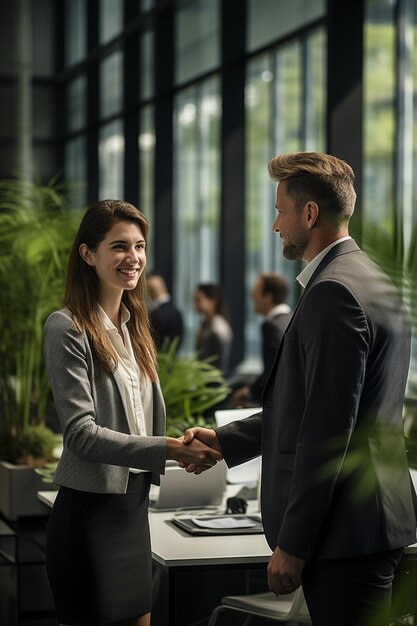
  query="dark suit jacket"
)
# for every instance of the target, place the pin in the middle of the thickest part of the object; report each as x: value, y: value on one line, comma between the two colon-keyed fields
x: 272, y: 331
x: 166, y: 323
x: 335, y: 478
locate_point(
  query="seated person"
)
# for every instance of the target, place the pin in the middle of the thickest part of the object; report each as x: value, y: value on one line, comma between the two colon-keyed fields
x: 269, y: 297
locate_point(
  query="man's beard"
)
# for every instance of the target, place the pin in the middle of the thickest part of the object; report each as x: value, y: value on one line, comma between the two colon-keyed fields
x: 294, y: 251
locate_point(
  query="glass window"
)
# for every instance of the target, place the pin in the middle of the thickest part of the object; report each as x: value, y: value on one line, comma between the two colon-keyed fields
x: 279, y: 118
x: 197, y: 33
x: 379, y: 119
x: 196, y: 195
x: 76, y: 104
x: 146, y: 65
x: 269, y: 20
x: 110, y: 19
x: 75, y: 31
x: 43, y: 39
x: 43, y: 111
x: 146, y: 5
x: 111, y: 160
x: 76, y: 171
x: 111, y: 84
x: 315, y: 97
x: 146, y: 145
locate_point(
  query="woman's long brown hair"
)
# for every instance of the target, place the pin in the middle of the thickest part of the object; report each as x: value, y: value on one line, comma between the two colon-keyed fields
x: 82, y: 288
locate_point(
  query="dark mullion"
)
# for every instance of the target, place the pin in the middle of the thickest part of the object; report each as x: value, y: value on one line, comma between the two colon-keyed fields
x: 61, y: 109
x: 131, y: 117
x: 345, y: 89
x: 92, y: 103
x: 232, y: 235
x: 163, y: 179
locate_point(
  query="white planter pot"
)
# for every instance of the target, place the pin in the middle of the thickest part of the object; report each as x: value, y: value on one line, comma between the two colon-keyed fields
x: 19, y: 485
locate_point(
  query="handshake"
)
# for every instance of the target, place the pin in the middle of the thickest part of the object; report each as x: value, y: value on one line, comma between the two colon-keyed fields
x: 196, y: 451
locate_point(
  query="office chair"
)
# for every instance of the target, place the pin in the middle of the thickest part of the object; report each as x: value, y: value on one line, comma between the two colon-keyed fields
x: 268, y: 605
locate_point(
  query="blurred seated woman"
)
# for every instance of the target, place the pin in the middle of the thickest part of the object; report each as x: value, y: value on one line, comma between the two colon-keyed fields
x: 214, y: 337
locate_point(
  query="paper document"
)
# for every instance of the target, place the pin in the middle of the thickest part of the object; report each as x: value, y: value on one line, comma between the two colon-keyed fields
x: 227, y: 521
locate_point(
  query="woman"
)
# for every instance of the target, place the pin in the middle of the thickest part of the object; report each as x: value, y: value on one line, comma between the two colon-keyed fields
x: 101, y: 365
x: 214, y: 337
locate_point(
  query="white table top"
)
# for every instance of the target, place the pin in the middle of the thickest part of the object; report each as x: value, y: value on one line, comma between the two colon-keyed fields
x: 173, y: 547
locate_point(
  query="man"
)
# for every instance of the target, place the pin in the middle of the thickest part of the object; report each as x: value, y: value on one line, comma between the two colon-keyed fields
x: 166, y: 320
x: 336, y: 497
x: 269, y: 297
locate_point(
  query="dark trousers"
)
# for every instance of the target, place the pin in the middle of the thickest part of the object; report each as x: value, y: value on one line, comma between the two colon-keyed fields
x: 351, y: 591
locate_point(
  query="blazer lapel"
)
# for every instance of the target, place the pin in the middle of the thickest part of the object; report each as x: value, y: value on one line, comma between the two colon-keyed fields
x: 345, y: 247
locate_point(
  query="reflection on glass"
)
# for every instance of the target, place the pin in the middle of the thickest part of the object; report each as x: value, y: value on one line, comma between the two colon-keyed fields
x: 269, y: 20
x: 279, y: 118
x: 196, y: 195
x: 111, y: 160
x: 110, y: 19
x: 146, y: 5
x: 379, y: 118
x: 146, y: 145
x: 197, y: 39
x: 75, y: 31
x: 76, y: 171
x: 316, y: 92
x: 76, y: 103
x: 111, y: 84
x: 146, y: 65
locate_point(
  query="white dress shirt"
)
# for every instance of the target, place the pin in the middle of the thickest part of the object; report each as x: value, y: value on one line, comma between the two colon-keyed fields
x: 135, y: 388
x: 304, y: 276
x: 278, y: 310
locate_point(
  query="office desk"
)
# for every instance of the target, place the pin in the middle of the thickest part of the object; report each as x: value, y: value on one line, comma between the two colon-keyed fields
x: 176, y: 553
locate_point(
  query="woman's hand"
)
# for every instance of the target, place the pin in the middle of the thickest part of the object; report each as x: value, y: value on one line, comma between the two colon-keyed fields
x: 193, y: 452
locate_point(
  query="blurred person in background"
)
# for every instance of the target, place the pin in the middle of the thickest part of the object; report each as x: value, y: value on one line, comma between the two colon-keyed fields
x: 166, y: 320
x: 215, y: 335
x: 269, y: 297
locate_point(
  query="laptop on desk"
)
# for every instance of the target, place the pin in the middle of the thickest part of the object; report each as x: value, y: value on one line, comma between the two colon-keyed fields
x: 180, y: 489
x: 248, y: 472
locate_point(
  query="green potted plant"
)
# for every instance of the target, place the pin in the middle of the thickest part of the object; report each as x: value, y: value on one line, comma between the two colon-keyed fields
x: 400, y: 263
x: 36, y: 232
x: 190, y: 387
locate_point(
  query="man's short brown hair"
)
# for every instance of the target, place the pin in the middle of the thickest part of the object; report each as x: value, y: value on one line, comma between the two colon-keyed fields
x: 318, y: 177
x: 276, y: 285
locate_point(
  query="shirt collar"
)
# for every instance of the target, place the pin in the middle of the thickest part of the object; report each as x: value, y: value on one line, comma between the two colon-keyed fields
x: 277, y: 310
x: 106, y: 321
x: 304, y: 276
x: 154, y: 304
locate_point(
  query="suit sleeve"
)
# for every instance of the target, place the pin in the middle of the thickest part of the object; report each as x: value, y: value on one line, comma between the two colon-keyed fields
x: 335, y: 340
x: 241, y: 440
x: 66, y: 365
x: 271, y: 337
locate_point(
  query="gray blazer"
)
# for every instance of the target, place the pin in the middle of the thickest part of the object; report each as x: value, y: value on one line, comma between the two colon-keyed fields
x: 98, y: 446
x: 335, y: 479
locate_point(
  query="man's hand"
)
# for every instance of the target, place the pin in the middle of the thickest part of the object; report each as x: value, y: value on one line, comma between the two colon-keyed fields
x: 206, y: 436
x: 195, y: 454
x: 284, y: 572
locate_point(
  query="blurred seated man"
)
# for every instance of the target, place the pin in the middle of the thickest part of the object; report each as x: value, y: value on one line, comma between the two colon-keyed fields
x: 269, y: 297
x: 165, y: 318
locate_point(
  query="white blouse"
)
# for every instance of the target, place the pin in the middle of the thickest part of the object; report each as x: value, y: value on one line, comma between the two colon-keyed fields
x: 135, y: 388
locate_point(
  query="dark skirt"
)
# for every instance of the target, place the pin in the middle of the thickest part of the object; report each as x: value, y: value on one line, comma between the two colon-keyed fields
x: 98, y: 554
